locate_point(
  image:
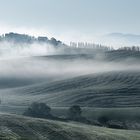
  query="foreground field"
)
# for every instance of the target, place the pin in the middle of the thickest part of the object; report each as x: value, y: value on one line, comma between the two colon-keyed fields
x: 23, y: 128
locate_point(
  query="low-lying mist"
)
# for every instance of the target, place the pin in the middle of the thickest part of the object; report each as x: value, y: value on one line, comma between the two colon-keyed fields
x: 12, y: 50
x: 29, y: 70
x: 25, y: 64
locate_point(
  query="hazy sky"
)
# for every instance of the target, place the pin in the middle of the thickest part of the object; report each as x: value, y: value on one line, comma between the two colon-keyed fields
x: 70, y: 19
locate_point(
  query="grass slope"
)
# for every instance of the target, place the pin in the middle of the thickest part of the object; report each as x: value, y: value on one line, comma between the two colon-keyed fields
x: 14, y: 127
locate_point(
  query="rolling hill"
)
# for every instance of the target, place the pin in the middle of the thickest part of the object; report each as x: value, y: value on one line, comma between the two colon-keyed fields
x: 110, y: 89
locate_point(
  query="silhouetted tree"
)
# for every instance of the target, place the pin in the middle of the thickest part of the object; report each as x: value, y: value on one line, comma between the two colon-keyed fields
x: 40, y: 110
x: 75, y: 112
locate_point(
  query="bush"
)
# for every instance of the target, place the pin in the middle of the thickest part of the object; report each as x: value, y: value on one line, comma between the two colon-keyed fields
x: 103, y: 120
x: 40, y: 110
x: 75, y: 112
x: 116, y: 124
x: 111, y: 123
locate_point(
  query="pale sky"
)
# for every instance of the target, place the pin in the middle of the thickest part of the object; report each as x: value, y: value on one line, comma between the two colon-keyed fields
x: 70, y: 20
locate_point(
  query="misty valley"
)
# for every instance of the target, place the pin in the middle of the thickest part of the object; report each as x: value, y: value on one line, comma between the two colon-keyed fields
x: 53, y: 91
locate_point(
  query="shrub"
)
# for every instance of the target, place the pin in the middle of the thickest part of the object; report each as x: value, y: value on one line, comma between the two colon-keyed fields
x: 116, y: 124
x: 75, y: 112
x: 40, y: 110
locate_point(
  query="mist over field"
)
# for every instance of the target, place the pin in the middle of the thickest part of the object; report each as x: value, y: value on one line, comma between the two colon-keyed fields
x: 24, y: 64
x: 11, y: 50
x: 31, y: 63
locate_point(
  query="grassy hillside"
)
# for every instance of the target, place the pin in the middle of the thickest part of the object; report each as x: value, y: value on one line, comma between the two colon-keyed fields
x: 22, y: 128
x: 111, y: 89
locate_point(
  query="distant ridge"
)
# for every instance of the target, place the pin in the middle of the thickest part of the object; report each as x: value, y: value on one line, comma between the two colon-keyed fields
x: 121, y: 39
x: 128, y: 37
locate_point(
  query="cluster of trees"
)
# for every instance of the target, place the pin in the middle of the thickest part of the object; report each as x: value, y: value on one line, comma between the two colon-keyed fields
x: 101, y: 47
x: 23, y: 38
